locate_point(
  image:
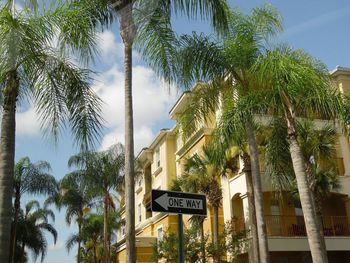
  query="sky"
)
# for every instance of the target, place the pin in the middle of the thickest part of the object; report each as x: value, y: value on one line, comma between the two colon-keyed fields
x: 318, y: 26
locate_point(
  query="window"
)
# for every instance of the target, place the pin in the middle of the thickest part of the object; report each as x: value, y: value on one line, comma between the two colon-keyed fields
x: 123, y: 228
x: 158, y: 157
x: 139, y: 212
x: 160, y: 234
x: 275, y: 208
x: 275, y: 216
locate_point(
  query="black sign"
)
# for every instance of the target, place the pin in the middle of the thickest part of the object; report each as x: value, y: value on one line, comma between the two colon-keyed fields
x: 178, y: 202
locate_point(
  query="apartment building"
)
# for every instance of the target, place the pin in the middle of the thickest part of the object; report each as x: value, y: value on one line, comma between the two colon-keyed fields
x: 164, y: 160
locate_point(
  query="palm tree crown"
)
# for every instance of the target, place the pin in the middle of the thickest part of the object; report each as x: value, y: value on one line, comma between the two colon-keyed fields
x: 30, y: 178
x: 103, y: 173
x: 31, y: 69
x: 32, y: 222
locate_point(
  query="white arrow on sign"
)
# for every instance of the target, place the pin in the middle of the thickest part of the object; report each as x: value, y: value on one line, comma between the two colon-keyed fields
x: 167, y: 202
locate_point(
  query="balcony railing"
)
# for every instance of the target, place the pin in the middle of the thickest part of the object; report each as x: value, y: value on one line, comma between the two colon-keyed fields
x: 295, y: 226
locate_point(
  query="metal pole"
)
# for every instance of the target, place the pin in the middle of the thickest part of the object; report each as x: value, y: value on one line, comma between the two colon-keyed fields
x: 181, y: 239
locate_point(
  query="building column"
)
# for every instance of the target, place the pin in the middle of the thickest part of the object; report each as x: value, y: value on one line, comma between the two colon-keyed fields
x: 247, y: 221
x: 345, y: 150
x: 226, y: 200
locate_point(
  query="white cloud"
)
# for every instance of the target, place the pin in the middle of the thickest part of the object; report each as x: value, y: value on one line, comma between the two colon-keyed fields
x: 151, y: 101
x: 27, y: 123
x: 142, y: 138
x: 58, y: 246
x: 110, y: 49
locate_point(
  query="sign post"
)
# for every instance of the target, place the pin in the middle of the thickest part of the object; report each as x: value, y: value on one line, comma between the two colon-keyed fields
x: 179, y: 203
x: 181, y: 239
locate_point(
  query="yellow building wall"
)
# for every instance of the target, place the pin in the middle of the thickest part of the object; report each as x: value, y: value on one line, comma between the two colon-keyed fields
x: 344, y: 86
x: 121, y: 256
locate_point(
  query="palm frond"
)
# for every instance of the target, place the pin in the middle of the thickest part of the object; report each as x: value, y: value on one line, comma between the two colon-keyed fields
x: 49, y: 228
x: 278, y: 161
x: 199, y: 58
x: 71, y: 241
x: 30, y: 205
x: 215, y: 11
x: 78, y: 23
x: 62, y: 94
x: 155, y: 40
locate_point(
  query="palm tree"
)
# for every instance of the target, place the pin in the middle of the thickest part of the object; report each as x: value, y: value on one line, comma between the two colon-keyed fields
x: 31, y: 225
x: 233, y: 138
x: 202, y: 174
x: 30, y: 178
x: 30, y: 69
x: 93, y: 230
x: 75, y: 197
x: 188, y: 182
x: 318, y: 149
x: 296, y: 85
x: 91, y: 233
x: 225, y: 64
x: 103, y: 172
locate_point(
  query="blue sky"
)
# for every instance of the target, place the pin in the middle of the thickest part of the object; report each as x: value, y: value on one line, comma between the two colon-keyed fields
x: 320, y: 27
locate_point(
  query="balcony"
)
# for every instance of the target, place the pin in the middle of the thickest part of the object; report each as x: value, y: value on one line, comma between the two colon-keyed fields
x: 291, y: 226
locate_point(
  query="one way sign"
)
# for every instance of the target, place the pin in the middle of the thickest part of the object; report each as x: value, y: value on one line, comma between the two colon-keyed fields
x: 178, y: 202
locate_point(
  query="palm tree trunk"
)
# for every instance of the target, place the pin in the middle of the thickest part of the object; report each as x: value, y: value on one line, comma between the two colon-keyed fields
x: 217, y: 256
x: 7, y: 157
x: 14, y: 226
x: 127, y: 31
x: 316, y: 203
x: 105, y: 230
x: 318, y: 252
x: 252, y: 218
x: 79, y: 241
x: 95, y: 253
x: 252, y: 213
x: 258, y: 195
x: 312, y: 228
x: 202, y: 239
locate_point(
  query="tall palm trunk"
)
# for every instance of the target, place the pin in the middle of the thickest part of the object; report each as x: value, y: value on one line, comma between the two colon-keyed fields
x: 14, y: 225
x: 105, y: 230
x: 252, y: 213
x: 217, y: 256
x: 7, y: 157
x: 258, y: 195
x: 203, y: 259
x: 95, y: 252
x: 312, y: 228
x: 127, y: 31
x: 318, y: 252
x: 79, y: 241
x: 316, y: 202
